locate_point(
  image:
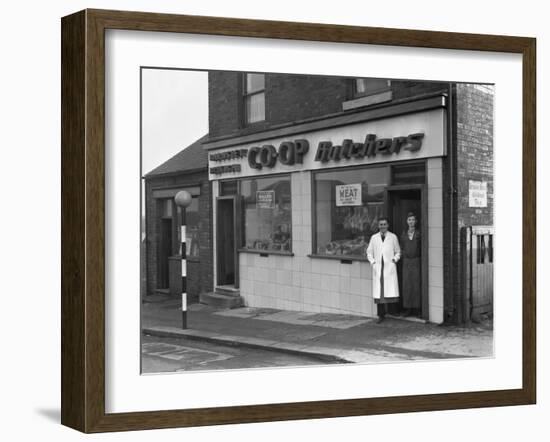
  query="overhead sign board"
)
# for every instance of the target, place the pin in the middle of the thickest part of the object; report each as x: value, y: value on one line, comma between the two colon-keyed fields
x: 401, y: 138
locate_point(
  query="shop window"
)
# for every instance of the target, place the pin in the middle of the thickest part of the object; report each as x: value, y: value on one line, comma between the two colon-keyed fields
x: 348, y: 204
x: 267, y: 213
x: 254, y: 98
x: 192, y: 222
x: 370, y: 86
x: 167, y: 208
x: 414, y: 173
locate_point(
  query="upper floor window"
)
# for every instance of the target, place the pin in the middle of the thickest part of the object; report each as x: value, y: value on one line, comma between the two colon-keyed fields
x: 254, y: 98
x: 370, y: 86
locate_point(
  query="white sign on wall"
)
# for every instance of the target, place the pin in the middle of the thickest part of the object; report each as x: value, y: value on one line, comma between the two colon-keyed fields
x: 426, y: 130
x: 477, y: 193
x: 348, y: 195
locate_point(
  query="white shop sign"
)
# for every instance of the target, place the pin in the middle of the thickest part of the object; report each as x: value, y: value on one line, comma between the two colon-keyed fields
x: 477, y: 193
x: 348, y: 195
x: 426, y: 129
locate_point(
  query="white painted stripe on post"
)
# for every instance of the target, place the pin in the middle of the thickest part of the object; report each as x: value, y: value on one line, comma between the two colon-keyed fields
x: 184, y: 302
x: 183, y: 267
x: 183, y: 234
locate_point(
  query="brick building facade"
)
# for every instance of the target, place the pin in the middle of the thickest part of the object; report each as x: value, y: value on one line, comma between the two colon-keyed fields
x: 292, y: 98
x: 273, y: 230
x: 455, y: 121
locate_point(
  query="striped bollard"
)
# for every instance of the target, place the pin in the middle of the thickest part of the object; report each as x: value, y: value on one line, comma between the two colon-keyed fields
x: 183, y: 200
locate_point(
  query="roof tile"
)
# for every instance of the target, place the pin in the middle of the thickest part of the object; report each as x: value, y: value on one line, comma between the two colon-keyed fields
x: 193, y: 157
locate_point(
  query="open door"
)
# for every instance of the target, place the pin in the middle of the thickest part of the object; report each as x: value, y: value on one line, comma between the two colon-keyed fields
x: 227, y: 240
x: 402, y: 200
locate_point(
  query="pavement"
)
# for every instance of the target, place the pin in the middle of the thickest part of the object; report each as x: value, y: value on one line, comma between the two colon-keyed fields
x: 324, y: 336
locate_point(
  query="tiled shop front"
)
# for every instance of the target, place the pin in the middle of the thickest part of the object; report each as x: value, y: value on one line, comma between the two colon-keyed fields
x: 301, y: 204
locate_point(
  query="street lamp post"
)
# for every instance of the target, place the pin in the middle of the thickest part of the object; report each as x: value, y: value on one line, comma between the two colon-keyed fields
x: 183, y: 200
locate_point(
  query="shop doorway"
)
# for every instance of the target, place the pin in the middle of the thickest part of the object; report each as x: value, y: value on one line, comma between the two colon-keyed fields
x: 227, y: 240
x: 401, y: 201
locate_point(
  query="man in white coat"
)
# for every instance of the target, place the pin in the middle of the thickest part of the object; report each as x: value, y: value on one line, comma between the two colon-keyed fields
x: 383, y: 253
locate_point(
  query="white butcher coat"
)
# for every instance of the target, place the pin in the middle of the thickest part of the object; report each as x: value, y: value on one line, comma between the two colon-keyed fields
x: 387, y: 250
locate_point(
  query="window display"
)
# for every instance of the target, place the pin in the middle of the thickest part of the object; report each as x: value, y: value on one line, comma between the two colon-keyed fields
x: 192, y: 222
x: 267, y: 213
x: 348, y: 204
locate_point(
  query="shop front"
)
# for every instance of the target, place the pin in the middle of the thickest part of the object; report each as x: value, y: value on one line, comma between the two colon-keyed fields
x: 294, y: 207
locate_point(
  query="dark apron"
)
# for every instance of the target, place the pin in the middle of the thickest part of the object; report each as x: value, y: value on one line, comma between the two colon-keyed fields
x: 410, y: 249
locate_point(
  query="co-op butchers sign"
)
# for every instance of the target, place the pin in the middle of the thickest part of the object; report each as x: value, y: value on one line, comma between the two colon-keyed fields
x: 293, y: 152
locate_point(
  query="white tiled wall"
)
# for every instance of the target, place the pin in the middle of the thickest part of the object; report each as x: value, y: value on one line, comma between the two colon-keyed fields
x: 435, y: 239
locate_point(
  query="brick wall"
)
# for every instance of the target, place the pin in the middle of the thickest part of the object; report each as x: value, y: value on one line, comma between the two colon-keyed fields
x: 474, y: 136
x: 473, y: 155
x: 295, y: 97
x: 224, y: 103
x: 289, y: 98
x: 199, y: 273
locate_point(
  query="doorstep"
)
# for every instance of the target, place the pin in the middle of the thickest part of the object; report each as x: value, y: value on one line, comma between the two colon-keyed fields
x: 407, y: 318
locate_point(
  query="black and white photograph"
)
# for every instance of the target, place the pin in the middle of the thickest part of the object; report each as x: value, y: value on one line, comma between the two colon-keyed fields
x: 293, y: 220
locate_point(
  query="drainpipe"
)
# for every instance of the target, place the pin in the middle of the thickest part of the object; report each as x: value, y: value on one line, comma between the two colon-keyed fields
x: 453, y: 313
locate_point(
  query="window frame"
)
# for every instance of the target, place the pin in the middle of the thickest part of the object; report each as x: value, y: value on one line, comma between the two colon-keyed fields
x: 389, y: 166
x: 356, y: 94
x: 241, y: 247
x: 420, y: 162
x: 244, y: 99
x: 179, y: 221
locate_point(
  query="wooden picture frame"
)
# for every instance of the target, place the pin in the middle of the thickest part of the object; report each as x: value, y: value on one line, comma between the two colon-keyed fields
x: 83, y: 217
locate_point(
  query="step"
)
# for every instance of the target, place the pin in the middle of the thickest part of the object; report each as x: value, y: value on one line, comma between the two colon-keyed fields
x: 228, y: 290
x: 221, y: 300
x: 162, y: 291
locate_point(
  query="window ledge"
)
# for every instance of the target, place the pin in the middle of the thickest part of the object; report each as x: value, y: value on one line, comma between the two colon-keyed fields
x: 339, y: 257
x: 265, y: 252
x: 367, y: 100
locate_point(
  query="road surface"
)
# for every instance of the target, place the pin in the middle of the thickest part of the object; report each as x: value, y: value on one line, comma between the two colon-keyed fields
x: 160, y: 355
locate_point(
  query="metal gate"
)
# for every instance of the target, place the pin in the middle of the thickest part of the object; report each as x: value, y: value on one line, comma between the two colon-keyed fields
x: 477, y: 243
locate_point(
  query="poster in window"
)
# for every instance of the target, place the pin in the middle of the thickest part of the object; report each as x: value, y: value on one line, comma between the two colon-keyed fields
x: 265, y: 199
x: 348, y: 195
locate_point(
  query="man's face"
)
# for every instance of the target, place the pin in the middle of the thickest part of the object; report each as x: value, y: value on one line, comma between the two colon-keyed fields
x: 383, y: 226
